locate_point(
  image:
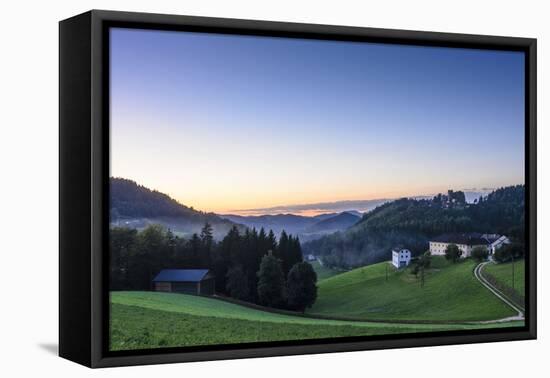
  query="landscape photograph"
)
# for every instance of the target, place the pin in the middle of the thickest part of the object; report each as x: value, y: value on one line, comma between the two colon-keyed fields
x: 269, y: 189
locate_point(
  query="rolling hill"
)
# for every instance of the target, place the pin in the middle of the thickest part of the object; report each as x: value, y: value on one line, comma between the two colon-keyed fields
x: 338, y: 222
x: 135, y: 206
x: 451, y: 293
x: 155, y: 320
x: 322, y: 271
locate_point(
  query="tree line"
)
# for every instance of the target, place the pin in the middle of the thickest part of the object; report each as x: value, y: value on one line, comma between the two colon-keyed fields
x: 251, y: 266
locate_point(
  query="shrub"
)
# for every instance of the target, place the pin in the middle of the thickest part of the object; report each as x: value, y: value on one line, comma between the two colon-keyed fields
x: 507, y: 251
x: 453, y: 253
x: 480, y: 253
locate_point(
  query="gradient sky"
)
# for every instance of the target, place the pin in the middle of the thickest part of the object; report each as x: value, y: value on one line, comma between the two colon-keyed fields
x: 223, y: 123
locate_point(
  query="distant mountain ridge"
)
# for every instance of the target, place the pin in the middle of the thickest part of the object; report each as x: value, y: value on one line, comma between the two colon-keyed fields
x: 306, y: 228
x: 136, y: 206
x: 289, y: 222
x: 338, y: 222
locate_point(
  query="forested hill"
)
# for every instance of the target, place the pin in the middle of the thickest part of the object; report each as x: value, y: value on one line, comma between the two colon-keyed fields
x: 500, y: 212
x: 129, y: 199
x: 341, y: 221
x: 136, y: 206
x: 410, y: 223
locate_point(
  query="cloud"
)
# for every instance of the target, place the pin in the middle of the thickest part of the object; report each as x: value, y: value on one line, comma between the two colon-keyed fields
x: 362, y: 206
x: 315, y: 208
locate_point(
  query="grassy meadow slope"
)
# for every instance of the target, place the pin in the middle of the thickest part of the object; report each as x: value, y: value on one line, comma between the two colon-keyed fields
x: 450, y: 293
x: 323, y: 272
x: 503, y: 274
x: 153, y: 320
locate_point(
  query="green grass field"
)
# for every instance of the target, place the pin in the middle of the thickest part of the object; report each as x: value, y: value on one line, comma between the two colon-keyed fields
x: 451, y: 293
x: 322, y: 271
x: 153, y: 320
x: 503, y: 274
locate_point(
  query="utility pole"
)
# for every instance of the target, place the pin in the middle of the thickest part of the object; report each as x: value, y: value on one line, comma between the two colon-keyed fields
x: 386, y: 272
x: 513, y: 273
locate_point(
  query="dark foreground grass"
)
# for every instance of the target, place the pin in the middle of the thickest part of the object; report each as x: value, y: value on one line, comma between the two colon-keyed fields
x: 144, y: 320
x: 138, y: 328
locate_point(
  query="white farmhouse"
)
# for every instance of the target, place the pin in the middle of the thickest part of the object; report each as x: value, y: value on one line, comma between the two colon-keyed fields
x: 466, y: 242
x: 496, y: 241
x: 400, y: 257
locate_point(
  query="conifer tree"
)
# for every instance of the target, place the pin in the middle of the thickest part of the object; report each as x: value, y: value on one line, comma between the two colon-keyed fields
x: 282, y: 251
x: 271, y: 282
x: 237, y: 283
x: 301, y: 286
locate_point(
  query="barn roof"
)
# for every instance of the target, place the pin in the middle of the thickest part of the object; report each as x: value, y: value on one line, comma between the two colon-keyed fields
x: 181, y: 275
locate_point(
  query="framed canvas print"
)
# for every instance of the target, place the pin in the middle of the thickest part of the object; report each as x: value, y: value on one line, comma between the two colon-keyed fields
x: 233, y: 188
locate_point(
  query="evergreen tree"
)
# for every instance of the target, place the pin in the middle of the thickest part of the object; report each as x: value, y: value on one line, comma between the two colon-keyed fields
x: 207, y: 240
x: 122, y: 244
x: 151, y: 255
x: 271, y: 242
x: 231, y: 245
x: 206, y: 236
x: 271, y: 282
x: 263, y: 245
x: 282, y: 246
x: 301, y: 286
x: 248, y: 259
x: 183, y: 256
x: 289, y: 251
x: 195, y: 246
x: 237, y: 283
x: 252, y: 252
x: 170, y: 248
x: 295, y: 252
x: 284, y: 251
x: 227, y: 255
x: 260, y: 248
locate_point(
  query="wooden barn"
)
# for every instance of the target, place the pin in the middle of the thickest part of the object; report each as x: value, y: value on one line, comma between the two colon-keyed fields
x: 185, y: 281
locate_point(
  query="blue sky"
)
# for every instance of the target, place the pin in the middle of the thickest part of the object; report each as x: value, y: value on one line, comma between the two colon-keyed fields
x: 224, y: 123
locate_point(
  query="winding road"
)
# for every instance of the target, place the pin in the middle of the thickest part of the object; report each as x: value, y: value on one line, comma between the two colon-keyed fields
x: 479, y: 275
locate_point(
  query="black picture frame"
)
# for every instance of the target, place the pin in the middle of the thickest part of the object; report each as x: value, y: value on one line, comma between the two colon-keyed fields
x: 84, y: 189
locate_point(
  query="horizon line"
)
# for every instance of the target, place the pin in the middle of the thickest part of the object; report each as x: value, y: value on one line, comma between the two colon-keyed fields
x: 317, y: 208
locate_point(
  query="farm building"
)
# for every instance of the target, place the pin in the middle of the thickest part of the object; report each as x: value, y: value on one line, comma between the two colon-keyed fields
x: 467, y: 242
x: 400, y: 257
x: 185, y: 281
